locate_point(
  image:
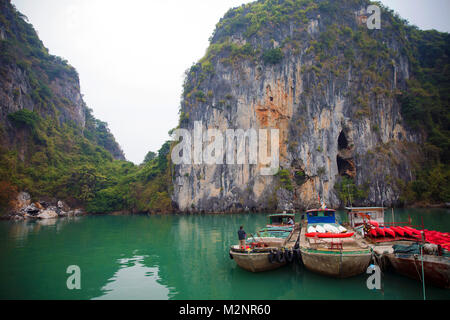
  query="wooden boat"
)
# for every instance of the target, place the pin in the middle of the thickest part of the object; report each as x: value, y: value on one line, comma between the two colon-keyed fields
x: 436, y: 268
x: 341, y: 258
x: 266, y: 251
x: 256, y: 259
x: 278, y: 225
x: 436, y: 264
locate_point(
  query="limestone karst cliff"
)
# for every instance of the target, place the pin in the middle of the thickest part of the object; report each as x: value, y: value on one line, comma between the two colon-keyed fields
x: 47, y: 133
x: 36, y: 81
x: 53, y: 152
x: 334, y: 88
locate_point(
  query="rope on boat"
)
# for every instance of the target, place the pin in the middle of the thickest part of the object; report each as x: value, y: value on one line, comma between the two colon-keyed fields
x: 417, y: 270
x: 380, y: 261
x: 423, y: 275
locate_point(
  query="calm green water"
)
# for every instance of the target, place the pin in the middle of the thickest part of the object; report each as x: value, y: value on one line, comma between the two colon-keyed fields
x: 171, y: 257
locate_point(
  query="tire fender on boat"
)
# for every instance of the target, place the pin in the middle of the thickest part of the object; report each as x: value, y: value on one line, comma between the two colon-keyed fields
x: 289, y: 254
x: 280, y: 256
x: 299, y: 255
x: 272, y: 256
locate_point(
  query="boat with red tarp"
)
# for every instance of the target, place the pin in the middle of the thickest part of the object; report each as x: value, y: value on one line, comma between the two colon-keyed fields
x: 410, y: 251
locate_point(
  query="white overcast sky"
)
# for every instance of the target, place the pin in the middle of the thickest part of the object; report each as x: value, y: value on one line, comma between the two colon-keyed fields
x: 131, y: 55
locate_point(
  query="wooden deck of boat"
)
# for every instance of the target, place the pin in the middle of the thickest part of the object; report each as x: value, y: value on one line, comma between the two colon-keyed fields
x: 293, y: 237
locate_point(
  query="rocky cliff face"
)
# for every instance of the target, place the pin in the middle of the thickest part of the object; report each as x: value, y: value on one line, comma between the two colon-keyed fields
x: 34, y: 80
x: 17, y: 94
x: 51, y: 146
x: 316, y: 72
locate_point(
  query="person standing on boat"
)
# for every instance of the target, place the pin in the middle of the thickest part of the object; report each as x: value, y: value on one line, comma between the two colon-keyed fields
x: 241, y: 235
x: 291, y: 221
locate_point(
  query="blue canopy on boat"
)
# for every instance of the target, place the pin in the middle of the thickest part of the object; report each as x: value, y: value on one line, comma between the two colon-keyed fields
x: 321, y: 216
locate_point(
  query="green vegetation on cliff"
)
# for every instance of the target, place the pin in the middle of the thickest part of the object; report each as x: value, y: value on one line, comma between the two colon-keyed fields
x: 426, y: 107
x: 59, y: 162
x: 53, y: 152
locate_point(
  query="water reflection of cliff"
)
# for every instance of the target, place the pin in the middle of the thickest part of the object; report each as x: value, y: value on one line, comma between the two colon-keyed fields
x: 38, y: 255
x: 134, y: 281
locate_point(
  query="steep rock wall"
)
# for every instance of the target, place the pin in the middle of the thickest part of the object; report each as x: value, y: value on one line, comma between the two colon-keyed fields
x: 338, y: 116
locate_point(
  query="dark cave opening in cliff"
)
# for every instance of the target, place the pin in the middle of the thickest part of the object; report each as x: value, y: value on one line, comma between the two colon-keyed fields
x: 345, y: 163
x: 346, y: 167
x: 342, y: 141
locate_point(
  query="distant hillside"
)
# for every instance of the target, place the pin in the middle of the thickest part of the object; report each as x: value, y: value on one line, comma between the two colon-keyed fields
x: 51, y: 144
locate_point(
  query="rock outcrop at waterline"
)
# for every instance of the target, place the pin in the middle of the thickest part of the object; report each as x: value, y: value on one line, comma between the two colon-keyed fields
x: 329, y: 84
x: 24, y: 208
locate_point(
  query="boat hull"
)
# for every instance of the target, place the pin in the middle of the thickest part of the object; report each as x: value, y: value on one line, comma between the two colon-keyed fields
x: 436, y: 268
x: 255, y: 262
x: 336, y: 264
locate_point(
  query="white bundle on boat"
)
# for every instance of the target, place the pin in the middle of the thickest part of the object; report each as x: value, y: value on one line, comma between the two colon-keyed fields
x: 342, y: 229
x: 320, y: 229
x: 311, y: 229
x: 330, y: 228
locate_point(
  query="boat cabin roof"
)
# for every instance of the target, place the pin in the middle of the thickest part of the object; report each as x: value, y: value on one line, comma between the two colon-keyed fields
x: 326, y: 209
x: 280, y: 218
x: 357, y: 215
x: 282, y: 215
x: 364, y: 208
x: 321, y: 216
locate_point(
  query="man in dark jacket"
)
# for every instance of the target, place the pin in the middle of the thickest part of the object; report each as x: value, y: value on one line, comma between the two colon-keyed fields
x: 241, y: 235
